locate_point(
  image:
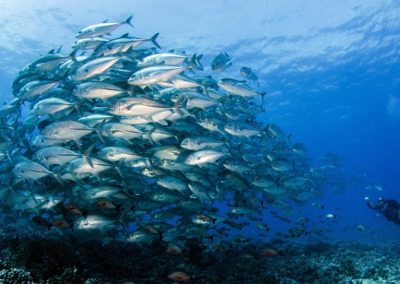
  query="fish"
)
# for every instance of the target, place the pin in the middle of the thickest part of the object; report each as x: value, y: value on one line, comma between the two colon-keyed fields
x: 221, y: 62
x: 61, y: 223
x: 198, y: 143
x: 97, y: 90
x: 42, y: 222
x: 239, y: 88
x: 80, y: 168
x: 35, y: 89
x: 30, y: 170
x: 94, y: 222
x: 120, y: 131
x: 94, y: 67
x: 51, y: 106
x: 155, y: 74
x: 141, y: 236
x: 123, y: 44
x: 204, y: 156
x: 137, y: 107
x: 241, y: 129
x: 171, y: 59
x: 248, y: 73
x: 268, y: 252
x: 360, y: 228
x: 179, y: 276
x: 101, y: 29
x: 89, y: 43
x: 67, y: 130
x: 116, y: 154
x: 174, y: 249
x: 55, y: 155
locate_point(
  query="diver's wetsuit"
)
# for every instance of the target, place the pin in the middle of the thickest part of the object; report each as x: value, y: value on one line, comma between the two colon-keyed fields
x: 390, y: 208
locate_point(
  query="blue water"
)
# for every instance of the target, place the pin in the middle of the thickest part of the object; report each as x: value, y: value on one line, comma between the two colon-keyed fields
x: 331, y: 72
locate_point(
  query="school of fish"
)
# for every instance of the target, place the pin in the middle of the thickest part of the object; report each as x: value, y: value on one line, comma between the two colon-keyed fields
x: 120, y: 138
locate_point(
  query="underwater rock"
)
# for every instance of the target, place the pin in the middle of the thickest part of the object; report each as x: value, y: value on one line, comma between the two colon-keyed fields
x: 15, y: 275
x: 45, y: 258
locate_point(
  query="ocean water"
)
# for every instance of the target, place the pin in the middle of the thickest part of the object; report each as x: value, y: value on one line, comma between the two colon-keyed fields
x: 331, y: 76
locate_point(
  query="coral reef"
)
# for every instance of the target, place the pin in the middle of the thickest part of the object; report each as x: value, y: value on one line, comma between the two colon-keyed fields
x: 54, y: 261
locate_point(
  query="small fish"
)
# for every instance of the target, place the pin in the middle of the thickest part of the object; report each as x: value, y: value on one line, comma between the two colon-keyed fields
x: 268, y: 252
x: 248, y: 73
x: 42, y: 222
x: 61, y: 224
x: 221, y: 62
x: 73, y: 209
x: 360, y: 227
x: 174, y: 249
x: 330, y: 216
x: 179, y: 276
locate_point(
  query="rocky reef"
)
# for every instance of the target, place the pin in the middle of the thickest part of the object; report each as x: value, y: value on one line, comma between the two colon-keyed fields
x: 55, y: 260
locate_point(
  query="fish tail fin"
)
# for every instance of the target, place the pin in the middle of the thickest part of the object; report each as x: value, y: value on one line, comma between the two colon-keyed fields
x: 128, y: 21
x: 263, y: 99
x: 77, y: 107
x: 178, y: 105
x: 58, y: 178
x: 195, y: 62
x: 73, y: 55
x: 125, y: 35
x: 87, y: 153
x: 99, y: 131
x: 153, y: 39
x: 119, y: 171
x: 150, y: 136
x: 9, y: 157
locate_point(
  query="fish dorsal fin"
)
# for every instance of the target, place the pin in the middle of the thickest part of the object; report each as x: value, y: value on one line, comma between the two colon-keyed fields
x: 105, y: 21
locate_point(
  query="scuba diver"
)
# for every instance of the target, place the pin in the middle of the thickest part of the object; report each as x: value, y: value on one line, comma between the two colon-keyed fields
x: 389, y: 208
